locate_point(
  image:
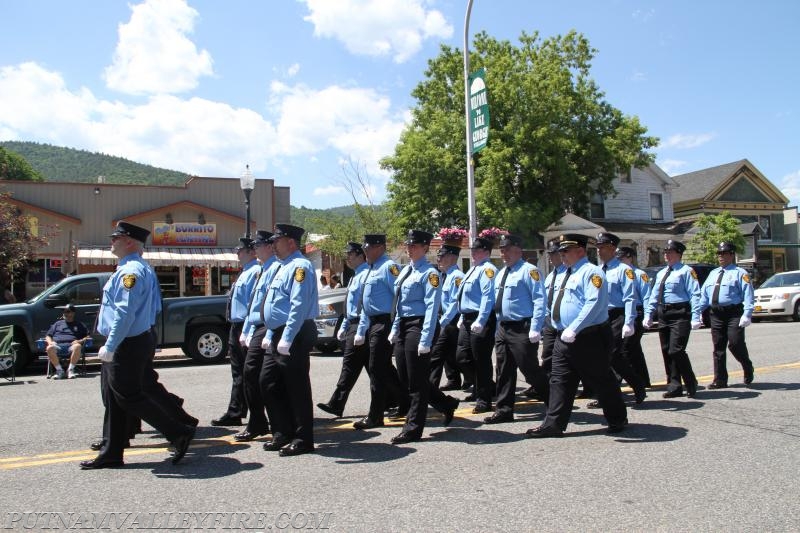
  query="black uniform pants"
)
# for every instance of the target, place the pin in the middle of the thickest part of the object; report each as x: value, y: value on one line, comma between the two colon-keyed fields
x: 354, y: 359
x: 258, y: 423
x: 548, y: 341
x: 619, y: 362
x: 286, y: 386
x: 674, y: 327
x: 416, y: 369
x: 443, y: 356
x: 125, y: 377
x: 383, y: 380
x: 632, y: 348
x: 726, y: 333
x: 514, y: 350
x: 587, y: 359
x: 475, y: 352
x: 237, y: 405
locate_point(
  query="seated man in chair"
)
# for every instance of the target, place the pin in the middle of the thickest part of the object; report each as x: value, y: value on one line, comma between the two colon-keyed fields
x: 66, y: 337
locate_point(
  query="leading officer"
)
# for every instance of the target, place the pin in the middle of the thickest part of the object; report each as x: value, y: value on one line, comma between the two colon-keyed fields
x: 729, y: 294
x: 583, y: 347
x: 126, y: 317
x: 290, y: 308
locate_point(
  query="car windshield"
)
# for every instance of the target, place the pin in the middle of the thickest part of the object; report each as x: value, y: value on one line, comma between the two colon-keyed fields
x: 783, y: 280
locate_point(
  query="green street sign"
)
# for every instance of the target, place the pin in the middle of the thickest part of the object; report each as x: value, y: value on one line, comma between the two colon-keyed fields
x: 478, y: 111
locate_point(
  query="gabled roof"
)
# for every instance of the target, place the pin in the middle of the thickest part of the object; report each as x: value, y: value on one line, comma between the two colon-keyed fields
x: 710, y: 183
x: 176, y: 205
x: 25, y: 206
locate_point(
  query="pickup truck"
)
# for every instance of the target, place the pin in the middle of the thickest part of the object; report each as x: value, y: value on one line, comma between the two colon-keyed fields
x: 196, y: 324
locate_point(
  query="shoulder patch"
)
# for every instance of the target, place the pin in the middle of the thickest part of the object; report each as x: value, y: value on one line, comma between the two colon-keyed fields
x: 489, y: 273
x: 458, y: 281
x: 629, y: 274
x: 433, y: 278
x: 693, y: 273
x: 597, y: 281
x: 535, y: 274
x: 645, y: 277
x: 299, y: 274
x: 128, y: 281
x: 746, y: 278
x: 394, y: 270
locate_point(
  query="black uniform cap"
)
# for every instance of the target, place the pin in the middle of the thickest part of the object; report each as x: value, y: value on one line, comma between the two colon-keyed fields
x: 245, y: 243
x: 510, y: 240
x: 354, y: 248
x: 287, y: 230
x: 552, y: 246
x: 263, y: 237
x: 374, y: 239
x: 678, y: 246
x: 726, y: 246
x: 416, y: 236
x: 448, y: 249
x: 129, y: 230
x: 625, y: 251
x: 482, y: 244
x: 607, y: 238
x: 571, y: 240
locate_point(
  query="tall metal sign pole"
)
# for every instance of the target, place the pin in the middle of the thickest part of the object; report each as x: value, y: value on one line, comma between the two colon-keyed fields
x: 473, y: 217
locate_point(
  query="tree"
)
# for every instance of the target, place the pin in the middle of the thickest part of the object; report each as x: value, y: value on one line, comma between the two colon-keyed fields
x: 18, y: 245
x: 712, y: 230
x: 554, y: 141
x: 15, y: 167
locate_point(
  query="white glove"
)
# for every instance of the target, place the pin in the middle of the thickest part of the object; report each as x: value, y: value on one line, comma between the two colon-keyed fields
x: 243, y: 340
x: 283, y: 347
x: 266, y: 344
x: 392, y: 337
x: 422, y: 349
x: 476, y: 328
x: 534, y: 337
x: 358, y: 340
x: 696, y: 325
x: 342, y: 334
x: 627, y: 331
x: 460, y: 322
x: 568, y: 336
x: 744, y: 322
x: 647, y: 323
x: 104, y: 355
x: 247, y: 340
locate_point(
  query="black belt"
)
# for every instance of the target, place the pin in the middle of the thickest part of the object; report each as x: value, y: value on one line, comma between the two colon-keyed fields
x: 470, y: 315
x: 382, y: 316
x: 615, y: 312
x: 726, y: 308
x: 509, y: 323
x: 411, y: 318
x: 237, y: 323
x: 590, y: 329
x: 681, y: 305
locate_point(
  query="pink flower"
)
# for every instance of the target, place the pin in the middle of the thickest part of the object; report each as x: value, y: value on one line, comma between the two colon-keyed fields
x: 492, y: 233
x: 452, y: 234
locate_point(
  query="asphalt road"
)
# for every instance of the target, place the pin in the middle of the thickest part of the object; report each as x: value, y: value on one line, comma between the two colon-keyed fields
x: 727, y: 460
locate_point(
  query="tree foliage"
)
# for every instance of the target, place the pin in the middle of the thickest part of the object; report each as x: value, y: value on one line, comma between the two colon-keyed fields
x: 554, y: 141
x: 712, y: 230
x: 18, y: 245
x: 14, y: 167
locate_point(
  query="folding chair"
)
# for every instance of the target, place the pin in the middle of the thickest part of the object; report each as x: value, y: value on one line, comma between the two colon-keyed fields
x: 41, y: 344
x: 8, y: 353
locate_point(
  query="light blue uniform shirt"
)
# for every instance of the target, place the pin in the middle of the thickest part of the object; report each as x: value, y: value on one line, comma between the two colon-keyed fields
x: 354, y: 290
x: 420, y: 294
x: 263, y: 278
x: 292, y: 297
x: 477, y: 291
x: 681, y: 287
x: 549, y: 282
x: 523, y: 294
x: 128, y: 308
x: 452, y: 281
x: 735, y: 288
x: 242, y: 289
x: 378, y: 291
x: 585, y: 300
x: 620, y: 279
x: 642, y: 287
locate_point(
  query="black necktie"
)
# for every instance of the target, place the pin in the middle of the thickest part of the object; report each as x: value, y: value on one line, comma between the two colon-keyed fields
x: 551, y: 291
x: 360, y: 305
x: 661, y: 287
x: 605, y: 268
x: 715, y: 296
x: 397, y: 292
x: 557, y: 307
x: 498, y: 302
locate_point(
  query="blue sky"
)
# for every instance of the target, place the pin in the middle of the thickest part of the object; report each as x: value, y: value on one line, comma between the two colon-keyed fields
x: 302, y: 89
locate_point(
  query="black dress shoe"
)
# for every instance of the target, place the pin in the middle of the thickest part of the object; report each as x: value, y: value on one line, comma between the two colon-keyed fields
x: 247, y: 436
x: 397, y: 412
x: 677, y: 393
x: 470, y: 397
x: 748, y: 376
x: 715, y: 385
x: 466, y: 387
x: 405, y: 436
x: 617, y: 427
x: 544, y: 432
x: 227, y: 420
x: 275, y: 445
x: 99, y: 443
x: 450, y: 385
x: 366, y: 423
x: 594, y: 404
x: 329, y: 408
x: 451, y: 412
x: 182, y: 445
x: 190, y: 421
x: 499, y: 417
x: 639, y: 395
x: 99, y: 462
x: 691, y: 390
x: 295, y: 448
x: 531, y: 393
x: 482, y: 407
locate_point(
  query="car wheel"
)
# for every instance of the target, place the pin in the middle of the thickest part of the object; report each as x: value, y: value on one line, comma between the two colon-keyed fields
x: 328, y: 346
x: 208, y: 344
x: 796, y: 314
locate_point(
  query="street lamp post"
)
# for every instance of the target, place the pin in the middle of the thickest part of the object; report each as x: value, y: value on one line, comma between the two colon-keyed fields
x: 247, y: 182
x: 471, y: 210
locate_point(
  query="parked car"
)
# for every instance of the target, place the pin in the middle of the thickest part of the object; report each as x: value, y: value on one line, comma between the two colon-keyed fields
x: 330, y: 317
x: 779, y: 296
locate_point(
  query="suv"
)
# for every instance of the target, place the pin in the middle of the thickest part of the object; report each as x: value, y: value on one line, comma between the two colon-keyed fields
x: 330, y: 317
x: 779, y: 296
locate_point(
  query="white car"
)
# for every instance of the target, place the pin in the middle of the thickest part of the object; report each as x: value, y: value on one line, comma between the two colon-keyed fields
x: 779, y: 296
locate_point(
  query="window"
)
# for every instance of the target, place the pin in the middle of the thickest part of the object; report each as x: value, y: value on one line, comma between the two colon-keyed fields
x: 656, y: 206
x: 84, y: 293
x: 598, y: 207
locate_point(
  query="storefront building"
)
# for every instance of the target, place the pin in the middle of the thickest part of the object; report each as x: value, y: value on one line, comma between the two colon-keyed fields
x: 194, y: 228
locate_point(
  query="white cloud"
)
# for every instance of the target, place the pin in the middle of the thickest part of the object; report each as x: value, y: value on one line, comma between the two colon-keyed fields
x: 378, y: 27
x: 643, y: 15
x: 154, y: 54
x: 293, y: 70
x: 790, y: 186
x: 671, y: 165
x: 638, y: 77
x: 328, y: 191
x: 688, y: 140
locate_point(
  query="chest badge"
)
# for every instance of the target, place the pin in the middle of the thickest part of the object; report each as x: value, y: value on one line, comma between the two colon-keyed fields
x: 597, y: 281
x: 535, y: 275
x: 299, y: 274
x: 128, y: 281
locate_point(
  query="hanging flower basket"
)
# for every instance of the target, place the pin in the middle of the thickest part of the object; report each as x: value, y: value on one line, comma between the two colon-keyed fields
x: 493, y: 234
x: 453, y: 236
